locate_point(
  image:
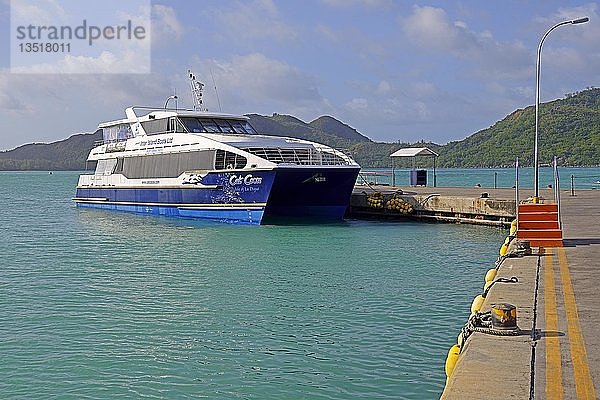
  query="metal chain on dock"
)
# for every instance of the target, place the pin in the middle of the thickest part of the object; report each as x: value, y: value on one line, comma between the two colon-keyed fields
x: 513, y: 279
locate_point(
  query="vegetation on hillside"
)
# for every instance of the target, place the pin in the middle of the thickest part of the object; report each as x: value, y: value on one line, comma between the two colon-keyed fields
x: 569, y: 129
x: 67, y: 154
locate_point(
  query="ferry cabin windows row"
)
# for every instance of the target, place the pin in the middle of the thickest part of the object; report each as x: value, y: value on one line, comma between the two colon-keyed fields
x: 170, y: 165
x: 197, y: 125
x: 210, y: 125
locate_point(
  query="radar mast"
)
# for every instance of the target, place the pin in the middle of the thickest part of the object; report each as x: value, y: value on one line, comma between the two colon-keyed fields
x: 196, y: 87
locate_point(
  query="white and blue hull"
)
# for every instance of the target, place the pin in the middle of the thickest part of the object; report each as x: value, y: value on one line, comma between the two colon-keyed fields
x: 249, y: 197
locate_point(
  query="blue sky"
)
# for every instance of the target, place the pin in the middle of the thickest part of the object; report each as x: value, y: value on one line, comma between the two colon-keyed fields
x: 395, y: 70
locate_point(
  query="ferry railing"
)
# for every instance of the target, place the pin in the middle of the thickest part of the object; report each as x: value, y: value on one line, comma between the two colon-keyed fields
x: 557, y: 191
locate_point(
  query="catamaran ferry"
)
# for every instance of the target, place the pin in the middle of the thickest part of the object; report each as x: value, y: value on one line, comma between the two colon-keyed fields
x: 192, y: 163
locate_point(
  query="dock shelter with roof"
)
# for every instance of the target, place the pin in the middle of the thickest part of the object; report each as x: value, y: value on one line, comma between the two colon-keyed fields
x: 417, y: 177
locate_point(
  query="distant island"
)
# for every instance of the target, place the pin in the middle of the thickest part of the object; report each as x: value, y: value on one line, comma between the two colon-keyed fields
x: 571, y: 131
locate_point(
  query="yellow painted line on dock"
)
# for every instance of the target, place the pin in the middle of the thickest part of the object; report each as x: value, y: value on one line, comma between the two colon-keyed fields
x: 584, y: 386
x: 554, y: 386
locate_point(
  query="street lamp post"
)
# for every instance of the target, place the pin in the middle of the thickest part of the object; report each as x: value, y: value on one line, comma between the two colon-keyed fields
x: 174, y: 97
x: 537, y: 101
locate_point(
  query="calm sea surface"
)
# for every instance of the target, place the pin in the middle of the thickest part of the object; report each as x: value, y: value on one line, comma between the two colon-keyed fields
x: 581, y: 178
x: 99, y: 304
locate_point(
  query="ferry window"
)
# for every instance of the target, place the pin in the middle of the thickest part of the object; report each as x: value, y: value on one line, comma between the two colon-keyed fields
x: 193, y: 125
x: 116, y: 133
x: 154, y: 127
x: 91, y: 165
x: 209, y: 125
x: 169, y: 165
x: 106, y: 167
x: 224, y: 126
x: 175, y: 125
x: 229, y: 160
x: 199, y: 125
x: 238, y: 127
x: 248, y: 127
x: 119, y: 166
x: 180, y: 127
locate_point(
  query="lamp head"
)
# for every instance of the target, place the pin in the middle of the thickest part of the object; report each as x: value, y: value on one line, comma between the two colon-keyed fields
x: 580, y: 20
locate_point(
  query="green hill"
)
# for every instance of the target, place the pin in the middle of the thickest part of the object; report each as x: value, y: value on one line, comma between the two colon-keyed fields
x: 326, y: 130
x: 569, y: 129
x: 337, y: 128
x: 67, y: 154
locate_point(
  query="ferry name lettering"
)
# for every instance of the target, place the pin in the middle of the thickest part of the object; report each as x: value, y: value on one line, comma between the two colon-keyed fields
x: 247, y: 180
x: 156, y: 141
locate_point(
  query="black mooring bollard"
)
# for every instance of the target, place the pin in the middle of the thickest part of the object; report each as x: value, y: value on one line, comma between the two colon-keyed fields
x: 504, y: 316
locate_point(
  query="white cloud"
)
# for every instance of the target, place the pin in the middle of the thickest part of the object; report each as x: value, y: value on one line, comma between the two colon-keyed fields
x: 106, y: 63
x: 166, y: 27
x: 359, y: 3
x: 246, y: 82
x: 42, y: 12
x: 384, y: 87
x: 258, y: 19
x: 9, y: 96
x: 107, y: 55
x: 571, y: 49
x: 328, y: 33
x: 430, y: 28
x: 424, y: 90
x: 68, y: 103
x: 358, y: 104
x: 423, y: 112
x: 569, y: 13
x: 359, y: 42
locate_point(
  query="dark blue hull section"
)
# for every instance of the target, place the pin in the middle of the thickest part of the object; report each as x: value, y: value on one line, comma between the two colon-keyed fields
x: 237, y: 197
x: 230, y: 197
x: 312, y: 194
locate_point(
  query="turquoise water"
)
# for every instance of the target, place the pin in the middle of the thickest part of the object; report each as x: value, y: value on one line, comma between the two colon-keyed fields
x: 99, y: 304
x: 581, y: 177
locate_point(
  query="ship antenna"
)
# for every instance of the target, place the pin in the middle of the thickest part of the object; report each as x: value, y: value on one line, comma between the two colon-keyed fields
x: 216, y: 91
x: 196, y: 87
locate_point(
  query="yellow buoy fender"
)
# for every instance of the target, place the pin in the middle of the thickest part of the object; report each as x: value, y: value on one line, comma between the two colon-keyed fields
x: 452, y: 359
x: 487, y: 285
x: 503, y: 249
x: 490, y: 275
x: 507, y: 240
x: 513, y: 230
x: 477, y: 303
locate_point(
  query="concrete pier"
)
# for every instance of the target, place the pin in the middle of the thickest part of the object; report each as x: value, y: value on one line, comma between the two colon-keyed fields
x: 483, y: 206
x: 557, y: 354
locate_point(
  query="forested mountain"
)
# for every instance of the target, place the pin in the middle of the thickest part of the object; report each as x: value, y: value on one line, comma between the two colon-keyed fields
x: 569, y: 129
x: 325, y: 129
x: 68, y: 154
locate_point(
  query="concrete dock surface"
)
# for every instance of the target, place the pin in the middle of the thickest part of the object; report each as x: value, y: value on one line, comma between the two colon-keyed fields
x: 480, y: 206
x: 557, y: 353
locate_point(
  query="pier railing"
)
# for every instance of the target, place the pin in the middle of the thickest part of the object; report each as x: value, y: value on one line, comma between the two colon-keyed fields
x: 517, y: 187
x: 557, y: 190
